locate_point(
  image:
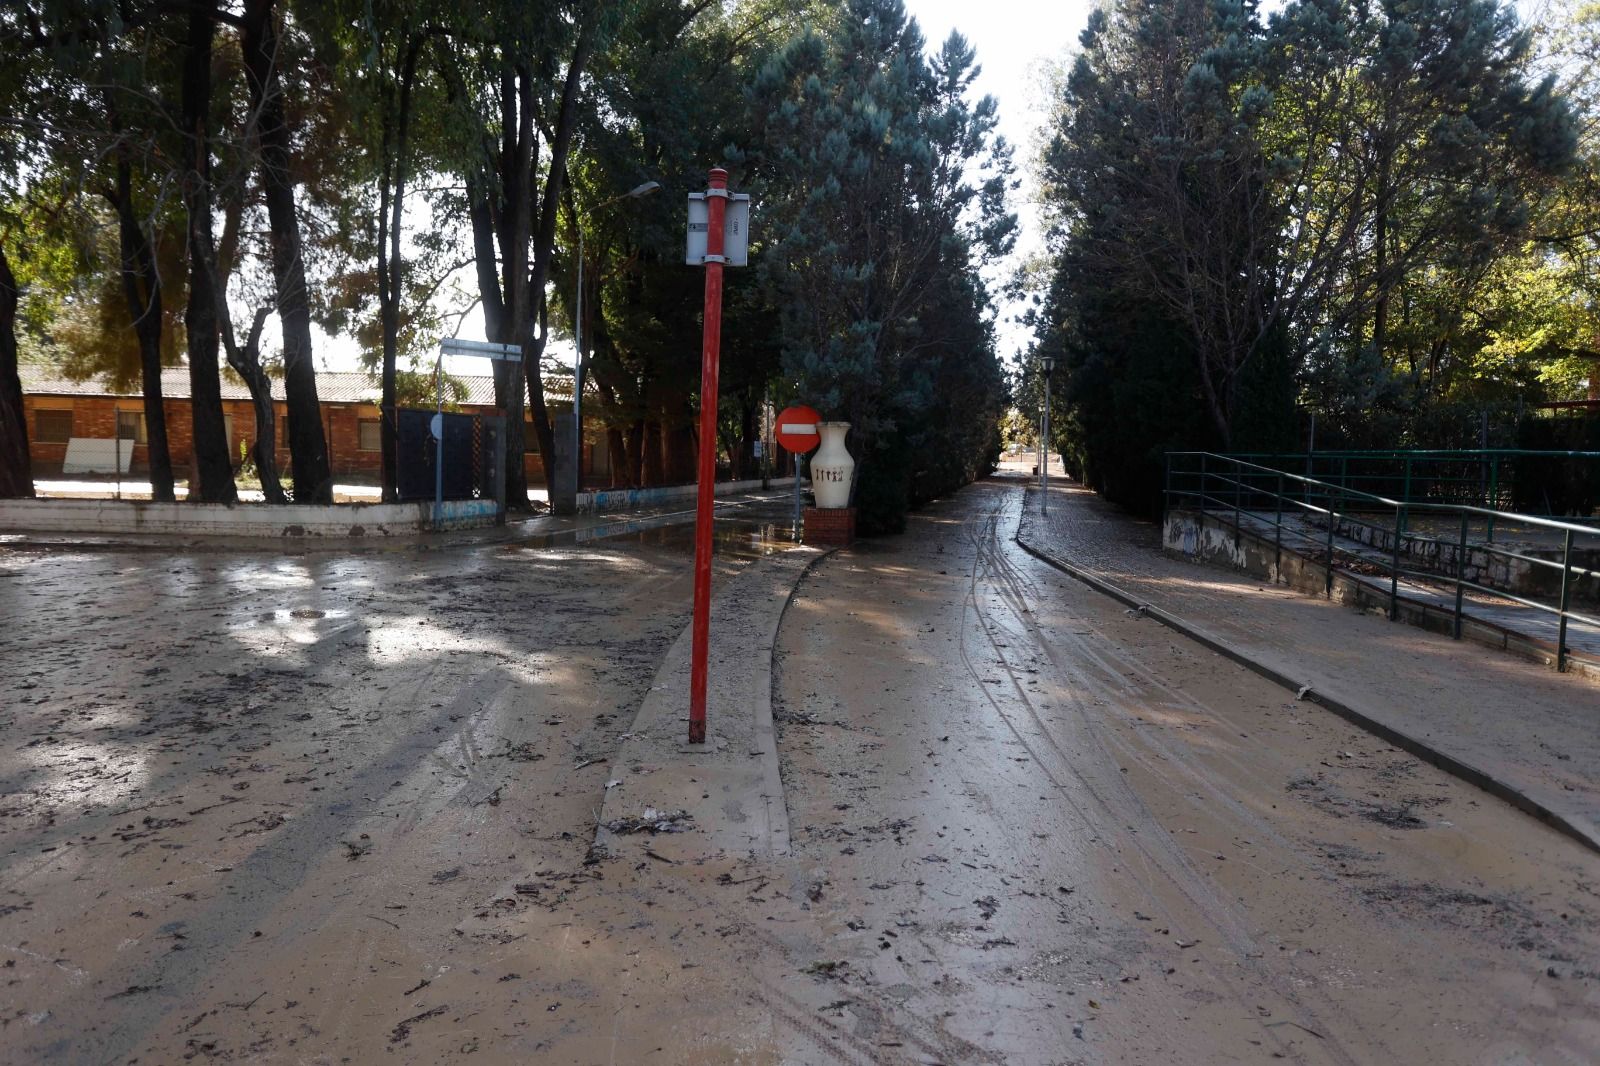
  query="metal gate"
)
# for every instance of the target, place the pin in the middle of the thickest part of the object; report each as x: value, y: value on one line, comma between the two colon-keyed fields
x: 474, y: 456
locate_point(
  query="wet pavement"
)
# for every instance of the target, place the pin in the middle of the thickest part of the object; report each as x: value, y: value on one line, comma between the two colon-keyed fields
x: 206, y: 751
x: 334, y: 809
x: 1049, y: 830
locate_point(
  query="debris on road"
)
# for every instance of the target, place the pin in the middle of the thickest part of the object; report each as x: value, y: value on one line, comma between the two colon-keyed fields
x: 651, y: 821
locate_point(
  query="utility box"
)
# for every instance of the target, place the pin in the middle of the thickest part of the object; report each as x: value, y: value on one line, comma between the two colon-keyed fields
x: 564, y: 469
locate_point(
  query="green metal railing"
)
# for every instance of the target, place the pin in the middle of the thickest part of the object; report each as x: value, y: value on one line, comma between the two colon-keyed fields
x: 1236, y: 486
x: 1490, y: 478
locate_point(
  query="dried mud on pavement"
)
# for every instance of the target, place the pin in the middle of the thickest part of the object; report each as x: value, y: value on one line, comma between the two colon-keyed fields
x: 1052, y: 831
x: 331, y: 810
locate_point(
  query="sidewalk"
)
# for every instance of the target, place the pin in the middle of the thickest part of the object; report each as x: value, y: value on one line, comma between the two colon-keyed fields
x: 1437, y: 594
x: 1530, y: 733
x: 728, y: 791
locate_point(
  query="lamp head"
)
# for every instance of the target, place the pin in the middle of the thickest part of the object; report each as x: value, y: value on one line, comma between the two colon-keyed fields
x: 641, y: 190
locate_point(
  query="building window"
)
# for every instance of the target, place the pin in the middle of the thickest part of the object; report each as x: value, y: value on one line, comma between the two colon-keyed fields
x: 130, y: 426
x: 52, y: 427
x: 369, y: 435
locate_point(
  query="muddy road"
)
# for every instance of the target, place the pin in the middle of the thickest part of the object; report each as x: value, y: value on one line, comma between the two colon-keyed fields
x: 337, y: 809
x: 247, y: 800
x: 1053, y: 831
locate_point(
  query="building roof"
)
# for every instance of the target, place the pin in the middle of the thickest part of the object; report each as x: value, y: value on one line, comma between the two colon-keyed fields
x: 333, y: 386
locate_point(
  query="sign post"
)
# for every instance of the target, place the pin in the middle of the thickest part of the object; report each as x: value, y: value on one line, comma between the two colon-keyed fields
x: 798, y: 433
x: 719, y: 223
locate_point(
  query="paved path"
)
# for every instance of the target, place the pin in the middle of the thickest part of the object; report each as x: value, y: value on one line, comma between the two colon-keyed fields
x: 1042, y: 829
x: 1519, y: 722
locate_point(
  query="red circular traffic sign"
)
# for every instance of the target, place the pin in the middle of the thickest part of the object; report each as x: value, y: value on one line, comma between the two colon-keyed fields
x: 797, y: 429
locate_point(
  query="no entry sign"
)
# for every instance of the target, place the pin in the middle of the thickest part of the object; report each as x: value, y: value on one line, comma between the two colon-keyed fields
x: 797, y: 429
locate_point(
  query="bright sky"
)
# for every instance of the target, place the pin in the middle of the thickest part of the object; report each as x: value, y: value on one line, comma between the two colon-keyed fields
x: 1015, y: 39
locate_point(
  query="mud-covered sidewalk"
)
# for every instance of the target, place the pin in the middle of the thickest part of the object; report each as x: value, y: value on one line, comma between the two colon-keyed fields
x: 1518, y: 723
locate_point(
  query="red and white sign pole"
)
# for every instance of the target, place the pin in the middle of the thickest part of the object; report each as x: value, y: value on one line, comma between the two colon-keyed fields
x: 798, y: 433
x: 716, y: 206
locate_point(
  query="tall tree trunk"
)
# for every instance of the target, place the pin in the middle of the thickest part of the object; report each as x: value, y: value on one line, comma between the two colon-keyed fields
x: 616, y: 453
x: 16, y: 465
x: 544, y: 239
x: 523, y: 300
x: 391, y: 266
x: 653, y: 473
x: 635, y: 451
x: 141, y: 284
x: 212, y: 467
x: 507, y: 386
x: 749, y: 409
x: 246, y: 362
x: 313, y: 480
x: 1381, y: 201
x: 681, y: 449
x: 498, y: 213
x: 389, y: 323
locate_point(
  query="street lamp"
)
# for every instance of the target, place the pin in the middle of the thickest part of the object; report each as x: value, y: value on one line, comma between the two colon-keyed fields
x: 577, y: 336
x: 1048, y: 362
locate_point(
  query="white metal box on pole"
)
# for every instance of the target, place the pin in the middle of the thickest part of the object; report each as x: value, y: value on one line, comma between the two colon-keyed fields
x: 735, y: 230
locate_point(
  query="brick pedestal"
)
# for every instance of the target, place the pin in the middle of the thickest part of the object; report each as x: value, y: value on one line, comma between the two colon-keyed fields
x: 830, y: 526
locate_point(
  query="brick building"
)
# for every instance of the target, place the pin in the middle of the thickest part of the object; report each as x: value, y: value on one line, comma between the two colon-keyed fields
x: 59, y: 409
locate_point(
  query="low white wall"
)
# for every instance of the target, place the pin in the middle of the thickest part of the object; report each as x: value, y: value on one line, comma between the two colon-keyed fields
x: 97, y: 517
x: 107, y: 517
x: 632, y: 499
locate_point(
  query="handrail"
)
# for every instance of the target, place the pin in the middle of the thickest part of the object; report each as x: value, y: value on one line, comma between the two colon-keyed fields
x: 1241, y: 475
x: 1451, y: 508
x: 1401, y: 453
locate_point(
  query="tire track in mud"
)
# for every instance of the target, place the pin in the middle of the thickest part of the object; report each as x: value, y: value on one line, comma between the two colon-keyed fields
x: 1165, y: 859
x: 1114, y: 687
x: 1117, y: 667
x: 842, y: 1046
x: 300, y: 846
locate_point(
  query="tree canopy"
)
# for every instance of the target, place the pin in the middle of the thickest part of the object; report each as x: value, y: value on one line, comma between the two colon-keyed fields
x: 215, y: 187
x: 1371, y: 213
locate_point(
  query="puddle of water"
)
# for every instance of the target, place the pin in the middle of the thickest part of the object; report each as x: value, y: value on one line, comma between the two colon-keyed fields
x: 735, y: 538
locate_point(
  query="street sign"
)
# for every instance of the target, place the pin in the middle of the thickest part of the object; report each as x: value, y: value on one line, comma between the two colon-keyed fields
x: 797, y: 429
x: 735, y: 230
x: 436, y: 427
x: 510, y: 353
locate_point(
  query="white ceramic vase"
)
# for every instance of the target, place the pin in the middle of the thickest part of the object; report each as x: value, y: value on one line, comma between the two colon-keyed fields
x: 832, y: 467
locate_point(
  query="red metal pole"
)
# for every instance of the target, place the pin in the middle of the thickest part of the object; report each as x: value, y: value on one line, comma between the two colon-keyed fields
x: 716, y: 204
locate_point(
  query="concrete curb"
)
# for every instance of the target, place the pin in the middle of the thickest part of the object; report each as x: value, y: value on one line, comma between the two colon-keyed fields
x: 737, y: 806
x: 50, y: 522
x: 604, y: 524
x: 1578, y: 829
x: 256, y: 520
x: 601, y: 501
